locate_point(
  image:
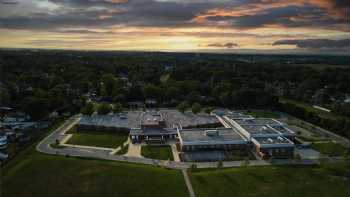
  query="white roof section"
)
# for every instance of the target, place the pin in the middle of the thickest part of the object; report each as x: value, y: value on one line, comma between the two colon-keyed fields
x: 272, y: 142
x: 210, y: 136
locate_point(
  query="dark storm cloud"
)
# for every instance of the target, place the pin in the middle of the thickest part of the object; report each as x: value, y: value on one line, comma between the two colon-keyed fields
x: 291, y: 16
x: 316, y: 43
x: 80, y: 13
x: 8, y: 2
x: 176, y: 13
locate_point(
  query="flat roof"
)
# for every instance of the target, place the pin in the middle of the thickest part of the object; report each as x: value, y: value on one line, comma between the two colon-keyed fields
x: 131, y: 120
x: 151, y: 118
x: 239, y: 116
x: 282, y: 129
x: 210, y: 136
x: 188, y: 119
x: 259, y: 129
x: 263, y: 141
x: 153, y: 131
x: 257, y: 121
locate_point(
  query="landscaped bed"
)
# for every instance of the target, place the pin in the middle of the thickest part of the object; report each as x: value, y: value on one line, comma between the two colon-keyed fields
x: 123, y: 150
x: 262, y: 114
x: 273, y: 181
x: 39, y: 175
x: 162, y: 152
x: 99, y: 139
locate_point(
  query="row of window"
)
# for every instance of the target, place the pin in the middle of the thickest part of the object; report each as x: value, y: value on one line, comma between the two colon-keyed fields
x: 216, y: 146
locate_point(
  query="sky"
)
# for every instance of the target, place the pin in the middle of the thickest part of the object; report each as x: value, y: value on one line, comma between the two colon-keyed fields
x: 262, y: 26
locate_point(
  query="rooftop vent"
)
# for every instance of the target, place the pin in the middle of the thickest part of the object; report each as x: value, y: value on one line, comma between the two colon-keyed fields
x: 264, y: 128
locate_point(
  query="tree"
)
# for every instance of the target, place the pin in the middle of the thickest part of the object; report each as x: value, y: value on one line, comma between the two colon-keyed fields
x: 36, y: 107
x: 220, y: 164
x: 297, y: 157
x: 104, y: 109
x: 208, y: 110
x: 109, y: 85
x: 88, y: 109
x: 245, y: 162
x: 151, y: 91
x: 196, y: 108
x: 183, y: 106
x: 171, y: 93
x: 117, y: 108
x: 193, y: 166
x: 193, y: 97
x: 4, y: 97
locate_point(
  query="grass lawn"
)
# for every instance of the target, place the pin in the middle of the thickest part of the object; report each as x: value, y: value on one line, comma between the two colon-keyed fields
x: 57, y: 146
x: 157, y: 152
x: 262, y: 114
x: 273, y: 181
x: 19, y: 156
x: 100, y: 139
x: 310, y: 108
x: 330, y: 148
x: 39, y: 175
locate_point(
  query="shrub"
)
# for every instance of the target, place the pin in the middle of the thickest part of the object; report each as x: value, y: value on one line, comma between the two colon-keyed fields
x: 88, y: 109
x: 196, y: 108
x: 104, y: 109
x: 183, y: 106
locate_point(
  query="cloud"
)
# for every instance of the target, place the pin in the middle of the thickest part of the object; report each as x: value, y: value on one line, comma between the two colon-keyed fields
x: 323, y: 14
x: 48, y: 14
x: 316, y: 43
x: 8, y: 2
x: 252, y: 23
x: 228, y: 45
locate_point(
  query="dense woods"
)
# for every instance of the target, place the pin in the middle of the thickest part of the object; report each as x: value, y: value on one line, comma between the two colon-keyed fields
x: 39, y: 82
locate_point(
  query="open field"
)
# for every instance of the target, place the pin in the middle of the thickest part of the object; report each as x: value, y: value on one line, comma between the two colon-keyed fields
x: 330, y: 148
x: 99, y: 139
x: 309, y: 108
x: 157, y: 152
x: 43, y: 175
x: 273, y: 181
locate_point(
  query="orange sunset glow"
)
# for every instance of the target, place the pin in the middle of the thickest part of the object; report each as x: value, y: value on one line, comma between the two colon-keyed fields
x: 177, y: 25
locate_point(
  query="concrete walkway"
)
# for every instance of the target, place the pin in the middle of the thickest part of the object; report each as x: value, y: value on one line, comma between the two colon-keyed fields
x: 119, y: 147
x: 188, y: 183
x: 175, y: 152
x: 134, y: 150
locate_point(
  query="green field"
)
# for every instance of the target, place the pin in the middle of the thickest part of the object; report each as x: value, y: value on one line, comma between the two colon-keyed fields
x: 100, y: 139
x: 310, y: 108
x: 273, y: 182
x: 39, y: 175
x: 157, y: 152
x: 330, y: 148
